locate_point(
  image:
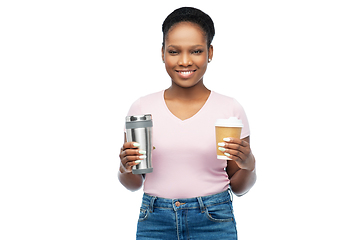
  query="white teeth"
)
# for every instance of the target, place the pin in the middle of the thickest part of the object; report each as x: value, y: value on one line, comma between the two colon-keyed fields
x: 186, y: 73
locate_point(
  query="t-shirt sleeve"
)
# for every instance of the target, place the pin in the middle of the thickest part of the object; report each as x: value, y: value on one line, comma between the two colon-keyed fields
x: 240, y: 114
x: 135, y: 108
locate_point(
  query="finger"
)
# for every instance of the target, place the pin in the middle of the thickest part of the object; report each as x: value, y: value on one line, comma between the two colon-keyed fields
x: 236, y: 147
x: 232, y: 152
x: 132, y: 160
x: 235, y: 150
x: 131, y: 152
x: 232, y: 146
x: 243, y: 150
x: 128, y: 165
x: 239, y: 141
x: 132, y: 145
x: 235, y: 155
x: 234, y: 143
x: 233, y: 140
x: 126, y: 146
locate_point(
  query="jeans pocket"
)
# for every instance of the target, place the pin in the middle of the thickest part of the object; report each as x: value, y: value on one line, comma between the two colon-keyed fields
x: 220, y: 213
x: 144, y: 213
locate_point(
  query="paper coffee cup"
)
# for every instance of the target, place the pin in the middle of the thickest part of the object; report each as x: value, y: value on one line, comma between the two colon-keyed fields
x: 226, y: 128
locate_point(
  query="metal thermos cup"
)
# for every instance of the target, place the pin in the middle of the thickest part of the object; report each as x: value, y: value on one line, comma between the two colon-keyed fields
x: 139, y: 129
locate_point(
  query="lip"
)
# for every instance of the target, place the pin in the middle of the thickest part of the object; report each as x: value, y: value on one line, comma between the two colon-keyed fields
x: 186, y: 73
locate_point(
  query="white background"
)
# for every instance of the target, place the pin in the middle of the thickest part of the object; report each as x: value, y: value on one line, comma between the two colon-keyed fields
x: 70, y: 70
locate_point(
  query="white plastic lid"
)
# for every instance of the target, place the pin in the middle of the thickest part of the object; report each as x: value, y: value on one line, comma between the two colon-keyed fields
x: 230, y: 122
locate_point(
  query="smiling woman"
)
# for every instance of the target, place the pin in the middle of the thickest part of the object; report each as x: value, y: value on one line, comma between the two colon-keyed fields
x: 186, y: 55
x: 184, y: 115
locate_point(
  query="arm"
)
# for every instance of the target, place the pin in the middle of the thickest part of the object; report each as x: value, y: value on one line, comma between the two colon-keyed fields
x: 132, y: 182
x: 129, y: 156
x: 241, y: 169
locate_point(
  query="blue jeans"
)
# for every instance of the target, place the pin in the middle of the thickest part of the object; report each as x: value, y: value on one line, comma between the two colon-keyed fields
x: 207, y: 218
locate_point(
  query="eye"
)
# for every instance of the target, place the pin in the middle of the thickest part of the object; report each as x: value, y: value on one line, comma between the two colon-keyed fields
x: 197, y: 51
x: 172, y: 52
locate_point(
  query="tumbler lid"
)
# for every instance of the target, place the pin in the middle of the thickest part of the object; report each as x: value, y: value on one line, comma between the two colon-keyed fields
x: 135, y: 118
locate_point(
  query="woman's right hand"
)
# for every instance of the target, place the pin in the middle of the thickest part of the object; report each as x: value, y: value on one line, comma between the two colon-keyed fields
x: 130, y: 155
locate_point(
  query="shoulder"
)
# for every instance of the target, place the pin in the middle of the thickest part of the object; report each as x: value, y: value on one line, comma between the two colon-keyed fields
x: 150, y: 98
x: 229, y: 106
x: 233, y: 109
x: 221, y: 97
x: 224, y: 99
x: 146, y: 103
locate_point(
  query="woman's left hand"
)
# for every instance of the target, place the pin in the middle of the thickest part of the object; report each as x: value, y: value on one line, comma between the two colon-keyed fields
x: 239, y: 151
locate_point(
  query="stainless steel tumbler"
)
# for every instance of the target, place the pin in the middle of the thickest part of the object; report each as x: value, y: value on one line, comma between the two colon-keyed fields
x: 139, y: 129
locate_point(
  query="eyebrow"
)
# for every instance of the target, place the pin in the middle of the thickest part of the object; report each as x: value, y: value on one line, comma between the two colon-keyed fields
x: 194, y: 46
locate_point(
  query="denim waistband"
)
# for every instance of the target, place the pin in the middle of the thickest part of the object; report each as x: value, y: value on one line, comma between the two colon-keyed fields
x: 187, y: 203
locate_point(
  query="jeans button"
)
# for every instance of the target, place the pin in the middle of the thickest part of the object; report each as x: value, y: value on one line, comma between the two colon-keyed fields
x: 177, y: 204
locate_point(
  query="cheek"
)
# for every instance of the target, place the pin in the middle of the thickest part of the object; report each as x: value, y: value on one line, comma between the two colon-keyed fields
x: 169, y: 67
x: 170, y: 62
x: 202, y: 62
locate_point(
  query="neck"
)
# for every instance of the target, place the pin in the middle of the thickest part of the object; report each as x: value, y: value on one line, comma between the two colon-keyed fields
x: 191, y: 93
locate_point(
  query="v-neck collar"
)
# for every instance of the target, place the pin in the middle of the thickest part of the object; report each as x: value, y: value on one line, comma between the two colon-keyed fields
x: 190, y: 118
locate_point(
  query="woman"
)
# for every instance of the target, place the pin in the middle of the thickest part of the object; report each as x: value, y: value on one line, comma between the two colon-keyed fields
x: 186, y: 196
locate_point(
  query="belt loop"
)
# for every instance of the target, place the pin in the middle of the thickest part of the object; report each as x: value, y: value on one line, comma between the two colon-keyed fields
x: 151, y: 207
x: 202, y: 207
x: 231, y: 194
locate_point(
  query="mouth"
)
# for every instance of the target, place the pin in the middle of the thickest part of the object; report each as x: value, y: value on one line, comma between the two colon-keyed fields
x: 185, y: 73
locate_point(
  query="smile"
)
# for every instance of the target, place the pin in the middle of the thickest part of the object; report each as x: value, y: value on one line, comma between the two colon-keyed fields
x: 185, y: 73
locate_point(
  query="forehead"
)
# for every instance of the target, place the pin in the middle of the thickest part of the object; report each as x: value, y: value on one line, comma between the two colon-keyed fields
x: 186, y: 33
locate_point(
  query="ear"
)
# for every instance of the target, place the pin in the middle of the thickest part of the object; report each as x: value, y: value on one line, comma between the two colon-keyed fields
x: 162, y: 54
x: 211, y: 52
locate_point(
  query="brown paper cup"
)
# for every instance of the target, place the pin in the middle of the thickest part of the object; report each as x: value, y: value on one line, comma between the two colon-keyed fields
x: 226, y: 128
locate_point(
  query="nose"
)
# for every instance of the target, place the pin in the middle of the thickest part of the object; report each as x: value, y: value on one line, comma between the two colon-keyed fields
x: 185, y: 60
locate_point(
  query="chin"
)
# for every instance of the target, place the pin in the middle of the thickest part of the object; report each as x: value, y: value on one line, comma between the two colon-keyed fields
x: 186, y: 83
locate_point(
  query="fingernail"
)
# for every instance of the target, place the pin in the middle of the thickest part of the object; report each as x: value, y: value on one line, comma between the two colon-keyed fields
x: 227, y: 139
x: 221, y: 144
x: 222, y: 149
x: 227, y: 154
x: 136, y: 144
x: 142, y: 152
x: 138, y: 161
x: 142, y: 157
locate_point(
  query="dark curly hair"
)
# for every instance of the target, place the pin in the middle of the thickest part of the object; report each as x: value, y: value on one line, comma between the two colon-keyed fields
x: 193, y: 15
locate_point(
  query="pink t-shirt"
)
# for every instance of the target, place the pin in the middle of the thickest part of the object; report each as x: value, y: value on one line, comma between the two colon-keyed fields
x: 184, y: 159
